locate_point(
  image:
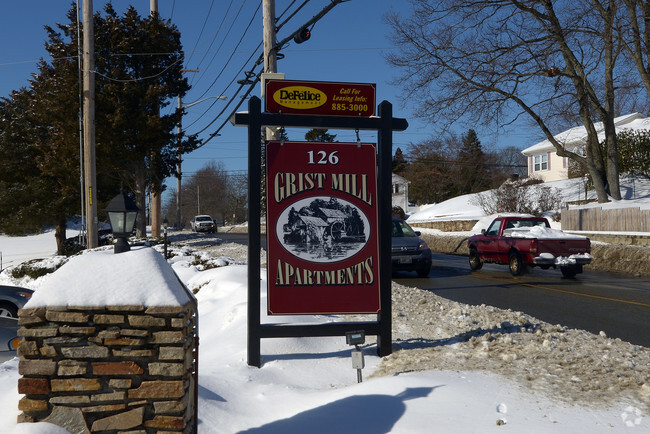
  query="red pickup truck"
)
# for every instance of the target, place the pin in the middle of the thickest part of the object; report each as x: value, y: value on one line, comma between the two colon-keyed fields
x: 528, y: 241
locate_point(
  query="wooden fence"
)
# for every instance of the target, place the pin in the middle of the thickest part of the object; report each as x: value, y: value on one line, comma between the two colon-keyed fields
x: 610, y: 220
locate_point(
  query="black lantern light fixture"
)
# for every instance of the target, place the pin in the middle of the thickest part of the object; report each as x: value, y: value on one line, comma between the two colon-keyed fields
x: 122, y: 213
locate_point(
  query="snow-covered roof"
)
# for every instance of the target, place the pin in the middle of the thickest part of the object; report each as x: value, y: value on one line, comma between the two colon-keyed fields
x: 396, y: 179
x: 578, y: 135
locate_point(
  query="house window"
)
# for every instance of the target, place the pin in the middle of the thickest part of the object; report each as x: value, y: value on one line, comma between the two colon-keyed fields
x: 395, y: 188
x: 540, y: 162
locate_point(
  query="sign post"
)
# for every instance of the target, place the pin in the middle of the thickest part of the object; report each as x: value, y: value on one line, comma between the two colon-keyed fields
x: 339, y: 208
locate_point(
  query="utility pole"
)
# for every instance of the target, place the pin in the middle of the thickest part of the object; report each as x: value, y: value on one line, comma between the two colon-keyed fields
x: 270, y: 54
x: 179, y: 160
x: 156, y: 206
x: 89, y: 124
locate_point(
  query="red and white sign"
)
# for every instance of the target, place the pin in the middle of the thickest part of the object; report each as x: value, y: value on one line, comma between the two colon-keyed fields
x: 319, y: 98
x: 322, y: 244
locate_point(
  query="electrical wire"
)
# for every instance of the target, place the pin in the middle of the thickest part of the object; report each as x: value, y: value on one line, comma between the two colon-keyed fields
x: 207, y: 16
x: 233, y: 51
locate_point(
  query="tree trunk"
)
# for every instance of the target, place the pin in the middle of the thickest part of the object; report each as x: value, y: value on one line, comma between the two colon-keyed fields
x: 141, y: 202
x: 59, y: 235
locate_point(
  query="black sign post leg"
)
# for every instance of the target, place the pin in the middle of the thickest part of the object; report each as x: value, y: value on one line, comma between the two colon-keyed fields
x: 254, y: 237
x: 385, y: 145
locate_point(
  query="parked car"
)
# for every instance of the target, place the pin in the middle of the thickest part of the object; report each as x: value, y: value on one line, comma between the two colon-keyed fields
x: 522, y: 242
x: 409, y: 252
x: 203, y: 223
x: 13, y: 298
x: 9, y: 339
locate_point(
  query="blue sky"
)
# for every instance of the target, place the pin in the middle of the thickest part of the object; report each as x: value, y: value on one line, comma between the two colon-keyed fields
x: 347, y: 45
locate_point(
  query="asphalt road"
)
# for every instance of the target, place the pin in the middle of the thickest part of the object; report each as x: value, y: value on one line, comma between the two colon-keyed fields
x: 239, y: 238
x: 593, y: 301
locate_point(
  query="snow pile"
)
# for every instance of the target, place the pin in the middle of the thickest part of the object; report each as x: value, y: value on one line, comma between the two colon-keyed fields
x: 541, y: 233
x: 137, y: 277
x: 572, y: 366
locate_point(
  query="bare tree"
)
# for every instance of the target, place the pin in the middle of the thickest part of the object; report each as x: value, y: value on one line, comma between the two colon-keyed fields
x: 494, y: 62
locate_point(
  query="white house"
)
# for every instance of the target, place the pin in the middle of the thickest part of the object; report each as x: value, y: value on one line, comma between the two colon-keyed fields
x: 545, y: 164
x: 400, y: 193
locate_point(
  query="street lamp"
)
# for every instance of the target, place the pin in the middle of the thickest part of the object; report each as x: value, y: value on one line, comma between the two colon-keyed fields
x: 122, y: 213
x: 178, y: 156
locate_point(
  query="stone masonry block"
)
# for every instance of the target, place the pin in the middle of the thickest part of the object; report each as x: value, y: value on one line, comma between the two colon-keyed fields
x: 32, y: 405
x: 121, y: 421
x: 126, y: 308
x: 134, y: 333
x: 104, y: 397
x: 62, y: 340
x: 146, y: 321
x: 168, y: 337
x: 165, y: 310
x: 89, y: 352
x: 163, y: 407
x: 48, y: 351
x: 70, y: 400
x: 75, y: 384
x: 28, y: 348
x: 116, y: 368
x: 30, y: 320
x: 38, y: 332
x: 166, y: 369
x: 158, y: 389
x: 36, y: 367
x: 72, y: 367
x: 72, y: 330
x: 166, y: 422
x: 124, y: 342
x: 103, y: 408
x: 111, y: 333
x: 66, y: 317
x: 33, y: 386
x: 119, y: 383
x: 134, y: 353
x: 108, y: 319
x: 171, y: 353
x: 34, y: 311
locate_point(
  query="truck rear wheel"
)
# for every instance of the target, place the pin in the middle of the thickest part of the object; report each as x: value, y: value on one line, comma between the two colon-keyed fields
x: 569, y: 271
x: 474, y: 260
x: 516, y: 264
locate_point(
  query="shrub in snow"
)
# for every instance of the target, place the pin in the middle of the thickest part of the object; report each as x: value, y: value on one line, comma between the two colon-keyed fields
x: 523, y: 197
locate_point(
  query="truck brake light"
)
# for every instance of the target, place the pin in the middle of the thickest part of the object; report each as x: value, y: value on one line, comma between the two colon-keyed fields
x: 533, y: 246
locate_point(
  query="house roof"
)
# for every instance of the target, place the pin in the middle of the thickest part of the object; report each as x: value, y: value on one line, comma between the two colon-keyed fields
x: 577, y: 136
x: 399, y: 179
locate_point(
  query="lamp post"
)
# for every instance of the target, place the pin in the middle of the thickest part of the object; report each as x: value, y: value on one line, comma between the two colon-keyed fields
x: 178, y: 156
x: 165, y: 225
x: 122, y: 213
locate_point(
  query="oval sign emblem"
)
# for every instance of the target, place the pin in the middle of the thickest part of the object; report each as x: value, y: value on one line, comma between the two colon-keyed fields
x: 322, y: 229
x: 299, y: 97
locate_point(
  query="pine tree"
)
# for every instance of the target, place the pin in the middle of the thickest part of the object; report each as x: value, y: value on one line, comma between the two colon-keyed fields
x: 41, y: 139
x: 473, y: 173
x: 319, y: 135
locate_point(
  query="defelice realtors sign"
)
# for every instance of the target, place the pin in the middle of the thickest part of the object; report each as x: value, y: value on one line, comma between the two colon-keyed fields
x: 319, y: 98
x: 322, y: 244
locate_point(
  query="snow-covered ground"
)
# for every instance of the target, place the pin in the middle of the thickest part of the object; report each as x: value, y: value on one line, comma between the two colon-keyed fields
x: 635, y: 192
x: 455, y: 369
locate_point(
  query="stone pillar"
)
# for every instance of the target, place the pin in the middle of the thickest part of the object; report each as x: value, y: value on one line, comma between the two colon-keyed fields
x: 112, y: 368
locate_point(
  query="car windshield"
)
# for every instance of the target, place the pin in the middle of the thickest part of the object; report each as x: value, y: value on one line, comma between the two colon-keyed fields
x: 203, y: 219
x: 401, y: 229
